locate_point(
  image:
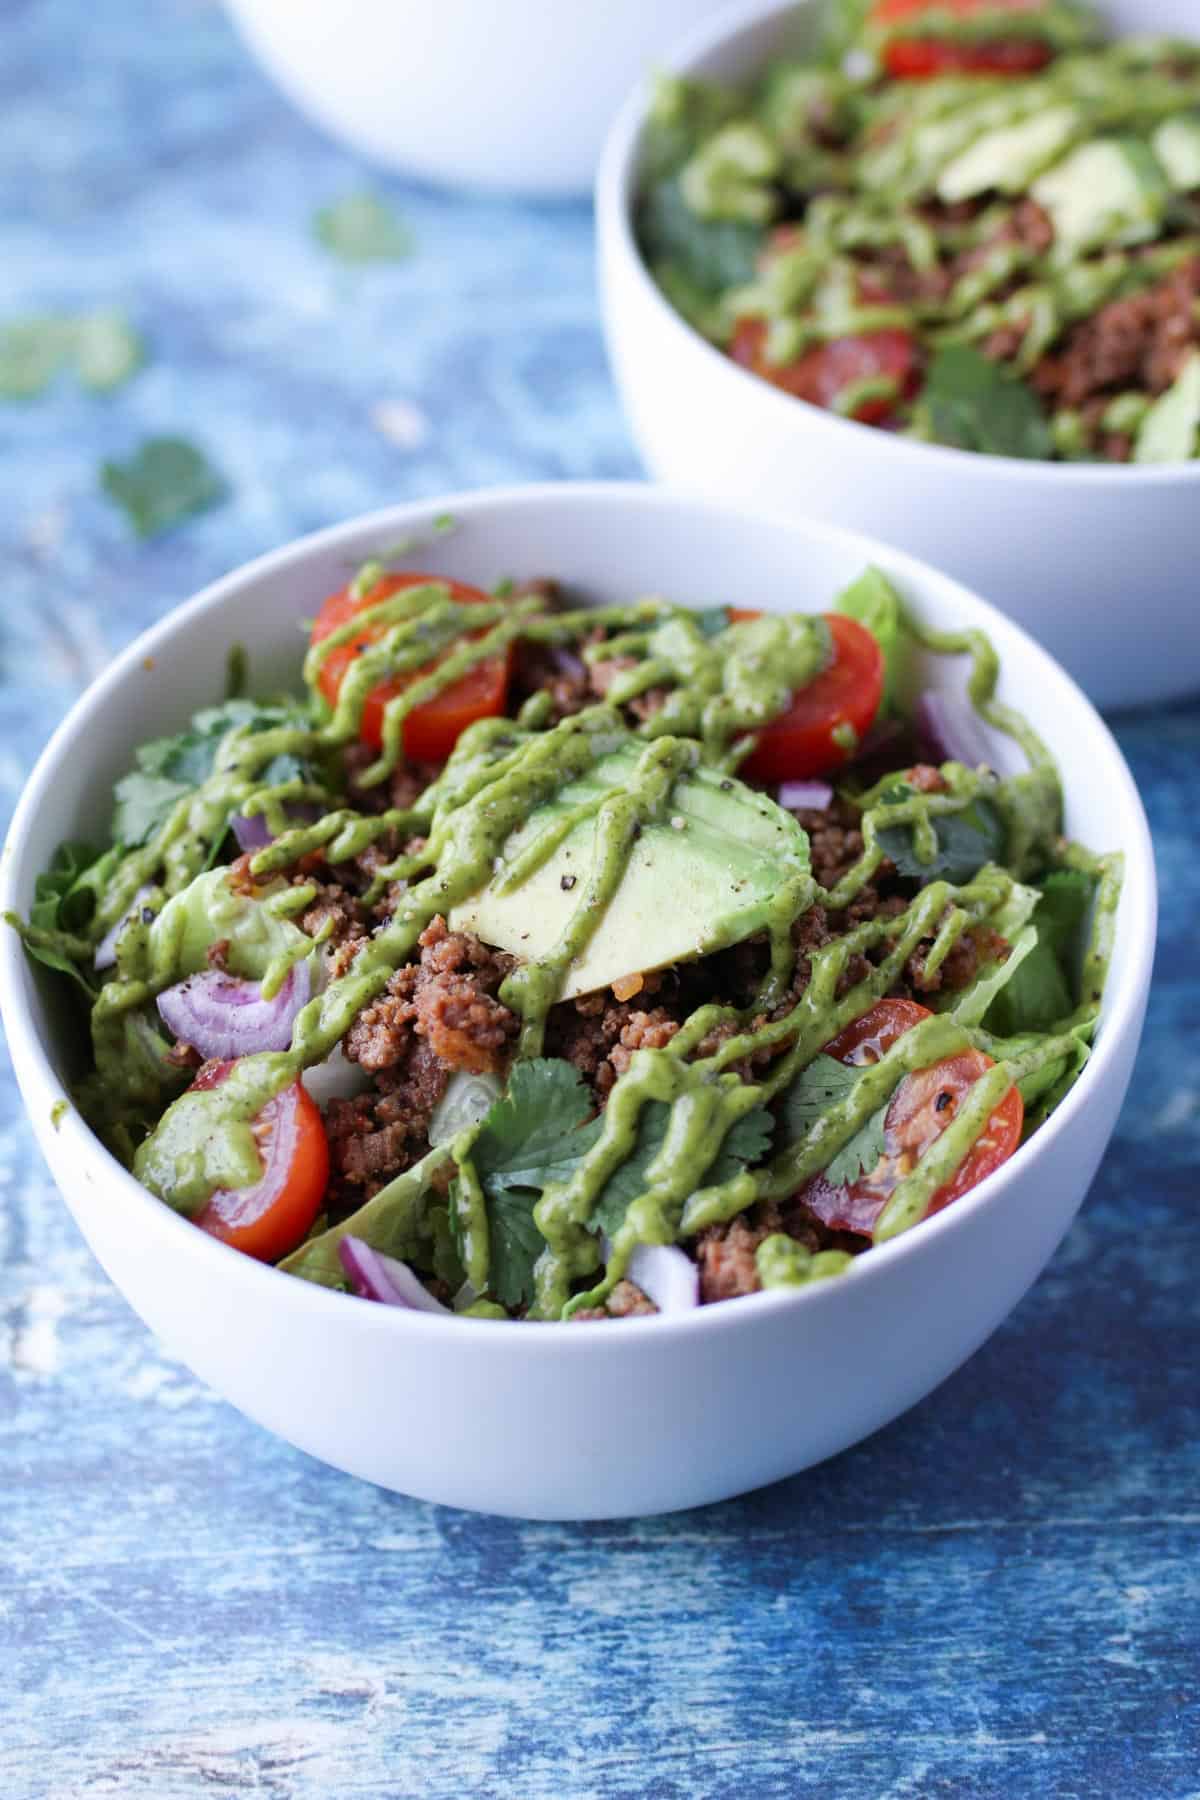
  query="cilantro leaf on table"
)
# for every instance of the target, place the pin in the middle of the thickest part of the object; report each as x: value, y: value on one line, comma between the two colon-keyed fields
x: 102, y: 347
x: 823, y: 1084
x: 362, y: 228
x: 972, y: 403
x: 745, y: 1143
x: 166, y: 481
x: 537, y: 1133
x: 966, y: 840
x: 168, y: 768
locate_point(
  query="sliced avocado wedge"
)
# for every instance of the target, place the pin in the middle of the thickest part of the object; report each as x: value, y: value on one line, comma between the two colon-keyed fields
x: 1170, y: 431
x: 208, y: 911
x: 1176, y: 144
x: 1006, y: 160
x: 1109, y: 192
x: 703, y: 874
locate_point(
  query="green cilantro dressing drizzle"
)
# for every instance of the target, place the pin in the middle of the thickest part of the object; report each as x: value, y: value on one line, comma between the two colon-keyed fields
x: 718, y: 689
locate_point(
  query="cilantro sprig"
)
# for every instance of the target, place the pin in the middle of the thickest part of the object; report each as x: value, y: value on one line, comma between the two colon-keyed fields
x: 823, y: 1084
x: 166, y: 481
x: 170, y: 767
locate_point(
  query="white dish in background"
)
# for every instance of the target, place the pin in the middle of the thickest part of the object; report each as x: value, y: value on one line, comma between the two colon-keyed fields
x: 1099, y: 563
x: 569, y: 1420
x: 514, y: 95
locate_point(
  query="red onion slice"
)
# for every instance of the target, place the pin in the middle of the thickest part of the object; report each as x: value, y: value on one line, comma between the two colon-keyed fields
x: 952, y: 728
x: 667, y: 1275
x: 106, y: 949
x: 377, y: 1277
x: 803, y: 795
x: 253, y: 833
x: 222, y: 1016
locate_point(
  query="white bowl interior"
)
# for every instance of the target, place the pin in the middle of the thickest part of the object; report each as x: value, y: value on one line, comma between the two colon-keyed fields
x: 612, y: 543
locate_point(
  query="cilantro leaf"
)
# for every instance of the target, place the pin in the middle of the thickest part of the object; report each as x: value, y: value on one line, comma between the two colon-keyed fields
x: 167, y: 481
x: 965, y: 841
x: 825, y: 1083
x: 712, y: 620
x: 105, y: 350
x: 32, y: 353
x: 745, y: 1143
x: 534, y: 1135
x: 710, y: 254
x: 860, y: 1155
x: 362, y: 228
x: 516, y: 1243
x: 973, y: 403
x: 169, y: 768
x: 102, y: 347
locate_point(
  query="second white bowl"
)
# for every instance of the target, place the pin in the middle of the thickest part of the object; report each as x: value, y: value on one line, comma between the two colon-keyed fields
x: 1098, y: 562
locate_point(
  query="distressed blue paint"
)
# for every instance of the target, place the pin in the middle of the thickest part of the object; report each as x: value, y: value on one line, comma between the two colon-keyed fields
x: 996, y: 1596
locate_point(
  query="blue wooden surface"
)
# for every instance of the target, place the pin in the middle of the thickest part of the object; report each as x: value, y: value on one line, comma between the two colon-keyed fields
x: 995, y: 1596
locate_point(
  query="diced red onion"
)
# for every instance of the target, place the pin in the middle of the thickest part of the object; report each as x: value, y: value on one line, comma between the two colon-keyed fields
x: 377, y: 1277
x: 952, y: 729
x: 805, y: 795
x: 253, y: 833
x: 223, y: 1016
x: 106, y: 949
x: 667, y: 1275
x: 567, y: 663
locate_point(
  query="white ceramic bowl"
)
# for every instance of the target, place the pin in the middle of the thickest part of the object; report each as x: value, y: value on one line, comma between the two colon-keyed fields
x: 1099, y: 563
x: 571, y: 1421
x: 504, y: 94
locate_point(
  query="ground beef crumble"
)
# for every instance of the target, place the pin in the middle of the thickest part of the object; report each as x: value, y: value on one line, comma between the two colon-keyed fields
x: 448, y: 999
x: 383, y: 1131
x: 1139, y: 342
x: 726, y: 1253
x: 626, y: 1301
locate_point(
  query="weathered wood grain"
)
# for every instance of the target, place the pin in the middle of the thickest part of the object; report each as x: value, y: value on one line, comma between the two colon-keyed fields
x: 997, y: 1596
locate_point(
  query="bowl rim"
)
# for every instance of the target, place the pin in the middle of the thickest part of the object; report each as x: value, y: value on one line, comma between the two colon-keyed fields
x: 615, y: 187
x: 42, y: 1088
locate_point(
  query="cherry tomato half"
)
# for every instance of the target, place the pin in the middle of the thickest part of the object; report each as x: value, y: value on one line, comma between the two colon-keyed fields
x: 432, y: 730
x: 800, y: 742
x: 917, y: 59
x: 827, y: 370
x: 273, y: 1216
x: 922, y: 1106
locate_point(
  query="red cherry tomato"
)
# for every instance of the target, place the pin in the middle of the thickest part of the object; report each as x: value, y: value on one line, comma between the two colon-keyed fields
x: 922, y: 1106
x: 827, y: 370
x: 800, y: 742
x: 275, y: 1214
x: 432, y: 730
x: 917, y: 59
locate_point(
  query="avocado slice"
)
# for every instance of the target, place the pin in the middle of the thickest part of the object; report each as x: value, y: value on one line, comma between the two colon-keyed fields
x: 1110, y: 192
x: 1006, y: 160
x: 210, y: 909
x: 702, y: 875
x: 1176, y: 144
x: 1170, y: 431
